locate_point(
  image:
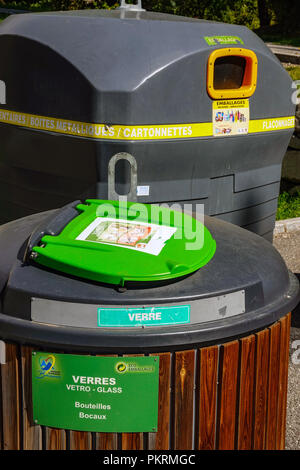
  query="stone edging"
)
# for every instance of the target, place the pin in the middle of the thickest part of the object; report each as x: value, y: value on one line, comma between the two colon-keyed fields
x: 287, y: 226
x: 287, y: 54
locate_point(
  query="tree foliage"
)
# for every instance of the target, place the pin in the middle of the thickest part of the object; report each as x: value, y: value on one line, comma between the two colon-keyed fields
x: 252, y: 13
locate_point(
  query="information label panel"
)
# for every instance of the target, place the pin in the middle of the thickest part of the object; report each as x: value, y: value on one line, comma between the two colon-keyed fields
x: 100, y: 394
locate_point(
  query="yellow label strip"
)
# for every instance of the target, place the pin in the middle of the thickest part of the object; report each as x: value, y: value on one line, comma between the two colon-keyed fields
x: 271, y: 124
x: 117, y: 132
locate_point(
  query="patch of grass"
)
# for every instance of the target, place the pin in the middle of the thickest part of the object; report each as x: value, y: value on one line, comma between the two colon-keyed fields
x: 3, y: 16
x: 294, y: 71
x: 288, y: 205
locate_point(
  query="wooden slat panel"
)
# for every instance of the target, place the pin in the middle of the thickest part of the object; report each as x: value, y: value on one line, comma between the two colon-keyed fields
x: 10, y: 399
x: 261, y: 389
x: 55, y: 439
x: 245, y: 422
x: 228, y: 392
x: 132, y: 441
x: 283, y: 380
x: 80, y: 440
x: 208, y: 397
x: 160, y: 439
x: 184, y: 399
x: 32, y: 433
x: 273, y: 386
x: 106, y: 440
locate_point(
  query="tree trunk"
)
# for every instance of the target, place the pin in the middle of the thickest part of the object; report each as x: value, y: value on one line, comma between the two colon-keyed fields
x: 263, y: 13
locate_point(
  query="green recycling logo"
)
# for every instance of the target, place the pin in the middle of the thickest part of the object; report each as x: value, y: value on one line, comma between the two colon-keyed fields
x: 121, y: 367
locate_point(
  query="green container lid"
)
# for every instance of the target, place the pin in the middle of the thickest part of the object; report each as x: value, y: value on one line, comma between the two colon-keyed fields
x: 116, y: 242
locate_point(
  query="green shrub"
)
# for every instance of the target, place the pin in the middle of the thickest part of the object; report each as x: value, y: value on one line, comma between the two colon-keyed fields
x: 288, y: 205
x: 48, y: 5
x: 81, y: 4
x: 229, y: 11
x: 39, y: 5
x: 294, y: 72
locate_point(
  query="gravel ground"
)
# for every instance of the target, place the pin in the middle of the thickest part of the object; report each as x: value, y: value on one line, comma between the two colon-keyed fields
x: 288, y: 244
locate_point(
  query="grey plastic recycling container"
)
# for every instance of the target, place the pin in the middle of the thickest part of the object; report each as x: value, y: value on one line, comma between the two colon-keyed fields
x: 143, y: 77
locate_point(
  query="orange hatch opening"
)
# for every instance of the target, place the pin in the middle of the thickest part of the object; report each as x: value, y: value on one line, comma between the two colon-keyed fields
x: 231, y: 73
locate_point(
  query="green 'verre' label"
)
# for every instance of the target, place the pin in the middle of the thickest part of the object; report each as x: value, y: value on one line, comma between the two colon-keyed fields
x: 100, y: 394
x: 148, y: 316
x: 223, y: 40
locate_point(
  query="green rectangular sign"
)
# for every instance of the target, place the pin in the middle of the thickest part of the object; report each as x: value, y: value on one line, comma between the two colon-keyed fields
x: 222, y: 40
x: 143, y: 316
x: 100, y: 394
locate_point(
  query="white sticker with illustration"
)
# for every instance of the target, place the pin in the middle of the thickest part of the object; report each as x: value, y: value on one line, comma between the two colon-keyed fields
x: 231, y: 117
x: 139, y: 236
